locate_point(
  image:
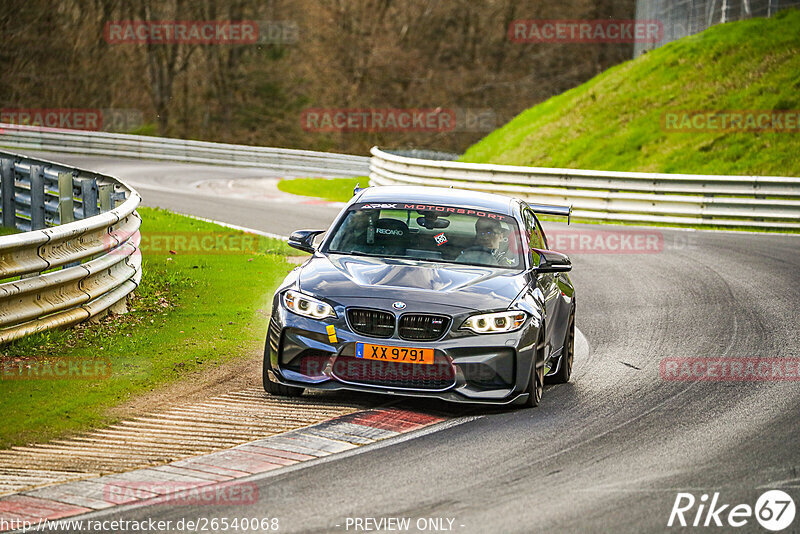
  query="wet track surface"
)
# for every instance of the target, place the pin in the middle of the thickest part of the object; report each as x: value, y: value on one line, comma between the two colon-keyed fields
x: 608, y: 451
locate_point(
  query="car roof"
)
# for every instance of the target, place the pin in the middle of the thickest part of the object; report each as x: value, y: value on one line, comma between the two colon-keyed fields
x: 437, y: 196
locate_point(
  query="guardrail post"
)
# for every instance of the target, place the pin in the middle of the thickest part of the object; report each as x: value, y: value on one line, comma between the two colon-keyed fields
x: 37, y: 197
x: 117, y: 198
x: 7, y: 187
x: 120, y: 307
x: 66, y: 204
x: 105, y: 191
x: 89, y: 197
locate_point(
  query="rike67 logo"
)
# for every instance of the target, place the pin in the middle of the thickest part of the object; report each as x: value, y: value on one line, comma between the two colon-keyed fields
x: 774, y: 510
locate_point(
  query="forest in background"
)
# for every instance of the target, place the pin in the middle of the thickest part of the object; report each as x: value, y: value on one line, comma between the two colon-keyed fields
x: 352, y: 54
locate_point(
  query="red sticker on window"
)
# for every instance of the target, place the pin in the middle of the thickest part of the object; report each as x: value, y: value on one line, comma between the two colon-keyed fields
x: 440, y: 239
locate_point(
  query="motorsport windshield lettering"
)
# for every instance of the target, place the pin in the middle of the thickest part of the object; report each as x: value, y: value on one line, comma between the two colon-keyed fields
x: 444, y: 210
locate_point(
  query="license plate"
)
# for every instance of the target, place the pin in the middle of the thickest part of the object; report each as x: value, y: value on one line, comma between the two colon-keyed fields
x: 394, y: 354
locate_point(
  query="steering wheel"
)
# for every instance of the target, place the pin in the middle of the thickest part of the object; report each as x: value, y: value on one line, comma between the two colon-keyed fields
x: 477, y: 254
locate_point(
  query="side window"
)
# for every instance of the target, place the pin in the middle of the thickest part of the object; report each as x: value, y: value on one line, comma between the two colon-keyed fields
x: 541, y: 234
x: 532, y: 230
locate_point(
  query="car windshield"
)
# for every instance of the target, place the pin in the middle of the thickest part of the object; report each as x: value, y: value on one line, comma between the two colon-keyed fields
x: 428, y: 233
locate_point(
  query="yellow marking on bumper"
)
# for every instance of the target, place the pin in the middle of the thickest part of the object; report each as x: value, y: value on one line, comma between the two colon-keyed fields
x: 331, y: 333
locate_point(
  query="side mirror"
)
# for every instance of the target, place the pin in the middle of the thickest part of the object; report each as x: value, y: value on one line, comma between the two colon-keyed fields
x: 304, y: 240
x: 551, y: 261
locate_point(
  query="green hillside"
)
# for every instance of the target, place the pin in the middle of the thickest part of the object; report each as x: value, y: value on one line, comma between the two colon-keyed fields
x: 614, y: 121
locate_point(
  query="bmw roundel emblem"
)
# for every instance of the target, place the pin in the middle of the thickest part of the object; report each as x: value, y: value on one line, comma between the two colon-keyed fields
x: 399, y: 305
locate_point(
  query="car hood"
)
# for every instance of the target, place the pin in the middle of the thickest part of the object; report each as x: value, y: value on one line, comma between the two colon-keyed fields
x: 464, y: 286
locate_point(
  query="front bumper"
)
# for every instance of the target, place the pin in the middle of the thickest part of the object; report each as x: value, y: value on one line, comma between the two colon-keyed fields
x: 468, y: 368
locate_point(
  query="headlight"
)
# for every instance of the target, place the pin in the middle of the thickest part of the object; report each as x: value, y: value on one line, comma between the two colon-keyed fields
x: 495, y: 323
x: 301, y: 304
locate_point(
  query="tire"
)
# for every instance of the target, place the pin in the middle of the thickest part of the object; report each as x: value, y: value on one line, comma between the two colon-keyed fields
x: 536, y: 385
x: 568, y: 354
x: 273, y: 388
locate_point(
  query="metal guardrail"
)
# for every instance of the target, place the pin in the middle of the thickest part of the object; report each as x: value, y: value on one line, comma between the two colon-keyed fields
x: 681, y: 199
x: 419, y: 153
x: 292, y: 162
x: 79, y: 254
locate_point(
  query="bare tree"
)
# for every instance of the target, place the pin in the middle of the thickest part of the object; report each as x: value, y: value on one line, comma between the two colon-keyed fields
x: 351, y: 54
x: 164, y: 62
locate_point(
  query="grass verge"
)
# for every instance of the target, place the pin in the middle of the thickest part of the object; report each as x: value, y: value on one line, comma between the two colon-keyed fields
x: 196, y: 308
x: 333, y: 189
x: 614, y: 121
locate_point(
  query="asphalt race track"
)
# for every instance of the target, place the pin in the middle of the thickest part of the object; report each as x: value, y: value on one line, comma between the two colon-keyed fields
x: 165, y: 185
x: 607, y: 452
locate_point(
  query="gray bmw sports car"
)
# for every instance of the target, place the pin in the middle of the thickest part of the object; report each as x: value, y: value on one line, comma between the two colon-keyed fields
x: 425, y: 292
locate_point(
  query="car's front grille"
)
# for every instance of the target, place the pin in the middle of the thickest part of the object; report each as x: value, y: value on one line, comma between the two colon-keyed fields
x: 371, y: 322
x: 437, y: 376
x: 419, y: 327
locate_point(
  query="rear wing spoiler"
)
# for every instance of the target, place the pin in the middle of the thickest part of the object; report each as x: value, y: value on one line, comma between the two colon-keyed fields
x: 547, y: 209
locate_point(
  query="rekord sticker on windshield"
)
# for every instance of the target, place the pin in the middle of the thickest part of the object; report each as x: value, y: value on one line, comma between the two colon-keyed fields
x: 440, y: 239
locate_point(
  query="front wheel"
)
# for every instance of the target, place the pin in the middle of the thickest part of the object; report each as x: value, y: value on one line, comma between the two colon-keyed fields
x: 567, y: 354
x: 273, y: 388
x: 536, y: 385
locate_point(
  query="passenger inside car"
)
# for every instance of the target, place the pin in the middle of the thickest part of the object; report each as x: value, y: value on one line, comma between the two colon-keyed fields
x: 487, y: 247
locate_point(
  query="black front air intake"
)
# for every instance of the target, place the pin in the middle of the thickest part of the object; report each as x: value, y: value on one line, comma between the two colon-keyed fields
x: 372, y: 323
x: 423, y: 327
x: 386, y: 374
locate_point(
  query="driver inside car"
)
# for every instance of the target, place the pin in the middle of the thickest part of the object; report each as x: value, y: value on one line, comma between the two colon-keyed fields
x: 489, y: 236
